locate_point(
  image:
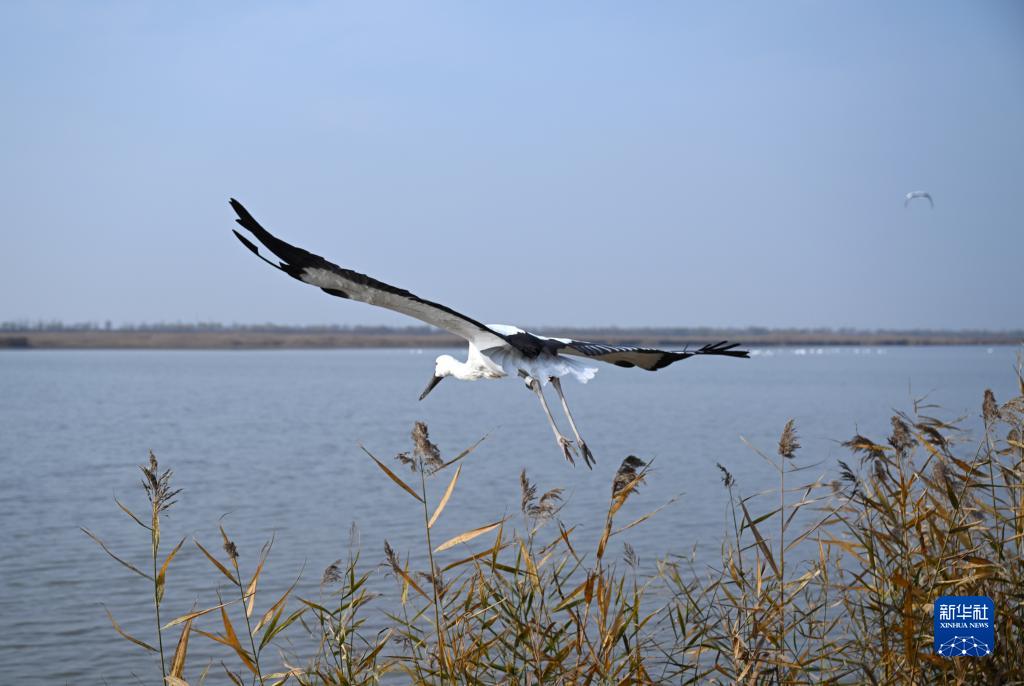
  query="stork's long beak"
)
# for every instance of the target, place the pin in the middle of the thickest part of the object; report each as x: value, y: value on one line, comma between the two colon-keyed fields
x: 430, y: 386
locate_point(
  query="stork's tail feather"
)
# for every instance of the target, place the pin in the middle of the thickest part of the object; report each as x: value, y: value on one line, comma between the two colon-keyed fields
x: 722, y: 348
x: 292, y: 258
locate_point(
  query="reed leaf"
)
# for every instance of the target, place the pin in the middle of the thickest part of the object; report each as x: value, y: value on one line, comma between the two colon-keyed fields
x: 445, y: 497
x: 216, y: 563
x: 250, y: 590
x: 276, y: 606
x: 394, y: 477
x: 128, y: 637
x: 231, y: 639
x: 760, y: 540
x: 162, y: 574
x: 109, y: 552
x: 180, y: 652
x: 192, y: 615
x: 275, y: 627
x: 463, y: 454
x: 235, y: 679
x: 467, y: 536
x: 132, y: 515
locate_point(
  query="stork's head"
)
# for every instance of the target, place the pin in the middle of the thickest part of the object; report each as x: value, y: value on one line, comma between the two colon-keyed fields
x: 444, y: 366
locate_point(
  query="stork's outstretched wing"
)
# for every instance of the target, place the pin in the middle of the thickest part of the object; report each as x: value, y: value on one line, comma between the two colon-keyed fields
x: 650, y: 359
x: 345, y: 283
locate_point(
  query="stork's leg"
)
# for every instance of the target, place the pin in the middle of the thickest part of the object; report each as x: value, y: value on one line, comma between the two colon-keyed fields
x: 563, y: 442
x: 588, y: 457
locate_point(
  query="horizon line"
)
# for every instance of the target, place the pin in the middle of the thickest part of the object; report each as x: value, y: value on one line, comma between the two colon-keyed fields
x: 18, y: 326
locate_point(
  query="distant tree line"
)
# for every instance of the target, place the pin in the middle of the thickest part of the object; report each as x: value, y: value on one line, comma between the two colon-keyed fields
x: 55, y: 325
x: 25, y: 326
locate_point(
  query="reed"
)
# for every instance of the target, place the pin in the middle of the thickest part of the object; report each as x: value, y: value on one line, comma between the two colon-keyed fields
x: 820, y: 581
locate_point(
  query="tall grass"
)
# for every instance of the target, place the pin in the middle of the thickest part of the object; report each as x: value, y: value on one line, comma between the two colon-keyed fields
x: 818, y: 581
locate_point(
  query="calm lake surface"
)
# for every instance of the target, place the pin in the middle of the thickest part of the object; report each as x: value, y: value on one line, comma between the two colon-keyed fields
x: 271, y: 440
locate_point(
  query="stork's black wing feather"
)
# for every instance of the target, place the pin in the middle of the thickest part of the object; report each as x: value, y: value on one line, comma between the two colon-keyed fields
x: 345, y: 283
x: 650, y: 359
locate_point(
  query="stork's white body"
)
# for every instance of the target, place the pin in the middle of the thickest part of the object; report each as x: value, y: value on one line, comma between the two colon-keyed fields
x: 542, y: 367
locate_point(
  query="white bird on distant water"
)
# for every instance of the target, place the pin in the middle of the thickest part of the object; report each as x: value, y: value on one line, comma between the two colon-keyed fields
x: 918, y: 194
x: 495, y: 350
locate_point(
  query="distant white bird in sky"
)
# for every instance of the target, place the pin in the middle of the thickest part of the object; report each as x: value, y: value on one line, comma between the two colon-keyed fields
x: 495, y: 350
x: 918, y: 194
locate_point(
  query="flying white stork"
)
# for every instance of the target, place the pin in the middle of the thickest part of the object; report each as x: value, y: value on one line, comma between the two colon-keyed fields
x: 918, y: 194
x: 495, y: 350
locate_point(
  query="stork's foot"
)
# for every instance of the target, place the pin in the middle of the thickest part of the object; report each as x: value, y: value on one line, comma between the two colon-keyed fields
x: 563, y: 443
x: 567, y: 449
x: 588, y: 457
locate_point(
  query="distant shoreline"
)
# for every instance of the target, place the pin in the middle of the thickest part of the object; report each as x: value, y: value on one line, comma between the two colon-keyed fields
x: 257, y: 338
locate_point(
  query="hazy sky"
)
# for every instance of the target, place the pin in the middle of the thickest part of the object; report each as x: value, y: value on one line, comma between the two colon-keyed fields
x: 531, y: 163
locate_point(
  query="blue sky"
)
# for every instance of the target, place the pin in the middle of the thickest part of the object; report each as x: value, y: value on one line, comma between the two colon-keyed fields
x: 596, y: 164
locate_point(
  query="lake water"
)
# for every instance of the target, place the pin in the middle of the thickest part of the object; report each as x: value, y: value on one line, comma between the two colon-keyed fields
x: 271, y: 440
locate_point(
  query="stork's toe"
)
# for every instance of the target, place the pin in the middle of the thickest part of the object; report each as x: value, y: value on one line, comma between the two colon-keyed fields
x: 567, y: 449
x: 588, y: 457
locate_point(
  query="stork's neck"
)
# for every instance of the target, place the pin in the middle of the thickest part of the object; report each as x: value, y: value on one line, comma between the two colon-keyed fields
x: 476, y: 366
x: 463, y: 371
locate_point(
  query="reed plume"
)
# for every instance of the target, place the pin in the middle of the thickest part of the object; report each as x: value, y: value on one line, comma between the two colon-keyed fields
x: 788, y: 444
